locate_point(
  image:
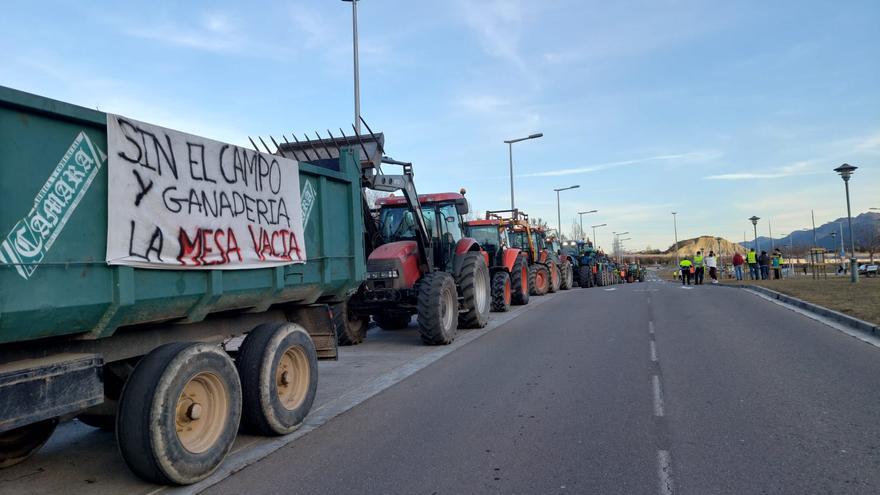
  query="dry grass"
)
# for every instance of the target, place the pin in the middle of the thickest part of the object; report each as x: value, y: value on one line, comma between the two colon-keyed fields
x: 861, y: 300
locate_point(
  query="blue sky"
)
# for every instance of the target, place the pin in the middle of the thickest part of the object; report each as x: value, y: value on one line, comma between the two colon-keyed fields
x: 717, y: 110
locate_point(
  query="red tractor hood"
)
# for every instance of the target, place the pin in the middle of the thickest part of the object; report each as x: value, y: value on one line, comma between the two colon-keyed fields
x: 405, y: 254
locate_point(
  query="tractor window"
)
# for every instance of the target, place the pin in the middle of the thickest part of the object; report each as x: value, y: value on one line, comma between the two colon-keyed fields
x: 519, y: 240
x: 486, y: 235
x: 446, y: 211
x: 397, y: 223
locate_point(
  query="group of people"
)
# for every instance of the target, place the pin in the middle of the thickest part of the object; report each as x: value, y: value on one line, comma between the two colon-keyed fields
x: 696, y: 269
x: 759, y: 266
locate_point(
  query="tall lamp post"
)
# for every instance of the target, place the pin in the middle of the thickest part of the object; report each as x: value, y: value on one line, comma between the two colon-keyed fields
x: 616, y: 244
x: 559, y: 209
x: 594, y: 227
x: 357, y: 79
x: 510, y: 156
x: 620, y: 255
x: 581, y: 217
x: 846, y: 170
x: 754, y: 220
x: 675, y: 227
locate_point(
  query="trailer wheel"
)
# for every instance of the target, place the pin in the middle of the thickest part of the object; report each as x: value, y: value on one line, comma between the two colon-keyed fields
x: 566, y: 279
x: 351, y: 329
x: 437, y: 308
x: 18, y: 444
x: 553, y: 270
x: 476, y: 291
x: 278, y: 367
x: 519, y: 281
x: 501, y: 291
x: 388, y: 320
x: 179, y: 413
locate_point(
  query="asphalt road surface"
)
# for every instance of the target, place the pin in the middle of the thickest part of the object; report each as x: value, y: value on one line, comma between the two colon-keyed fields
x: 647, y: 388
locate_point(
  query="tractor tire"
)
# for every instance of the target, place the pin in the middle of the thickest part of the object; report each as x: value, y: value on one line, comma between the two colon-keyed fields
x: 179, y: 413
x: 586, y: 277
x: 566, y: 279
x: 540, y: 279
x: 475, y: 289
x: 389, y: 320
x: 351, y: 329
x: 437, y: 308
x: 555, y: 276
x: 519, y: 281
x: 501, y: 292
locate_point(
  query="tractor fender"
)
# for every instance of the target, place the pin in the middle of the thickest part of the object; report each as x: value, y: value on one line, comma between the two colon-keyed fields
x: 466, y: 245
x: 510, y: 256
x: 404, y: 253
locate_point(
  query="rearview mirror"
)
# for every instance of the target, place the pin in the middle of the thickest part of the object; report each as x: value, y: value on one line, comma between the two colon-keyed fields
x: 450, y: 219
x: 461, y: 206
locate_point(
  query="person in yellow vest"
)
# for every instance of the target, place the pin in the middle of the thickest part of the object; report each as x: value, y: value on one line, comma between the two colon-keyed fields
x: 752, y: 260
x: 777, y: 263
x: 686, y: 266
x: 698, y: 268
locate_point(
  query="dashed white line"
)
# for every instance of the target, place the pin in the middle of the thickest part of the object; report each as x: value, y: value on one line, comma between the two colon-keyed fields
x: 664, y: 472
x: 653, y: 352
x: 651, y: 327
x: 658, y: 397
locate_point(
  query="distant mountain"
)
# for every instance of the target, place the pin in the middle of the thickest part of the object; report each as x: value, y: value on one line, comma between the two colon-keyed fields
x: 866, y: 228
x: 706, y: 243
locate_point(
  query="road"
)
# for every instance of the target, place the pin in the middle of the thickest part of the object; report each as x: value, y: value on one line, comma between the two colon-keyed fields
x: 646, y: 388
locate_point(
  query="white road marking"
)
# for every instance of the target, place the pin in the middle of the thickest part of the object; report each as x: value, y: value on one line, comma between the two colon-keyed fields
x: 688, y: 287
x: 658, y: 397
x: 651, y: 327
x: 613, y: 288
x: 653, y: 352
x: 664, y: 472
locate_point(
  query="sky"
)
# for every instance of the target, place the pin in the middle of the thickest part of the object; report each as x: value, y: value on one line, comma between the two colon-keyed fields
x: 716, y: 110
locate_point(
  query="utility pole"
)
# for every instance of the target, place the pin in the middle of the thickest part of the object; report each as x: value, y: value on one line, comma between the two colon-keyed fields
x: 357, y: 77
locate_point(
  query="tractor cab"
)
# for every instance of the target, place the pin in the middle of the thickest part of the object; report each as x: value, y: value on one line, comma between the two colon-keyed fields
x: 443, y: 220
x: 492, y: 237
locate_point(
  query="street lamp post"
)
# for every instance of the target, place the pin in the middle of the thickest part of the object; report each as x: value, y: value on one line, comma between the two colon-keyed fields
x: 357, y: 80
x: 620, y: 254
x: 559, y: 209
x: 755, y: 226
x: 616, y: 244
x: 581, y: 217
x: 594, y: 227
x: 846, y: 170
x: 510, y: 156
x: 675, y: 226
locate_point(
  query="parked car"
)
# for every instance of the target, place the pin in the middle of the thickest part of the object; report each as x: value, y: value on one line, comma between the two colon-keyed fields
x: 868, y: 270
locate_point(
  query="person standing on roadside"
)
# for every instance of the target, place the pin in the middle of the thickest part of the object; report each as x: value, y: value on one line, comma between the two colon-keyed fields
x: 764, y: 263
x: 752, y: 259
x: 698, y: 268
x: 686, y: 266
x: 738, y: 262
x: 777, y: 263
x: 712, y: 265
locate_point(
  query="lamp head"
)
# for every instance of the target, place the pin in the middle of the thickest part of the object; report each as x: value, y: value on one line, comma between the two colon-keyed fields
x: 755, y: 220
x: 846, y: 170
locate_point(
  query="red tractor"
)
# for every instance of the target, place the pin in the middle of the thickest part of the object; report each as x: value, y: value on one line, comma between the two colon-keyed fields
x: 543, y: 272
x: 509, y: 266
x: 422, y: 263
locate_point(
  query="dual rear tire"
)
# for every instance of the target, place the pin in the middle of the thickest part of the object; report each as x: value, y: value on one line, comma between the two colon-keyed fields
x: 181, y: 407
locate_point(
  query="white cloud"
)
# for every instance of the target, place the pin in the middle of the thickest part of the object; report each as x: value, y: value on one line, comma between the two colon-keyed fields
x: 212, y: 32
x: 799, y: 168
x: 692, y: 156
x: 498, y: 23
x: 870, y: 144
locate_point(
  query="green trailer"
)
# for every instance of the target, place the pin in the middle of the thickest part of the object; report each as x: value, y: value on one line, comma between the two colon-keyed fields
x: 156, y: 354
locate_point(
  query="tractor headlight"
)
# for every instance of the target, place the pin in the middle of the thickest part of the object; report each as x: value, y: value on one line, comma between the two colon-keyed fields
x: 383, y: 274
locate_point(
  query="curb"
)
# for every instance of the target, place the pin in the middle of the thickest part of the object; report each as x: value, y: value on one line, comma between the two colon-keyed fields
x: 852, y: 322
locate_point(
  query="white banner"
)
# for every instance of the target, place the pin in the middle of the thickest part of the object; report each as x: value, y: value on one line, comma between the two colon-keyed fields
x: 179, y: 201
